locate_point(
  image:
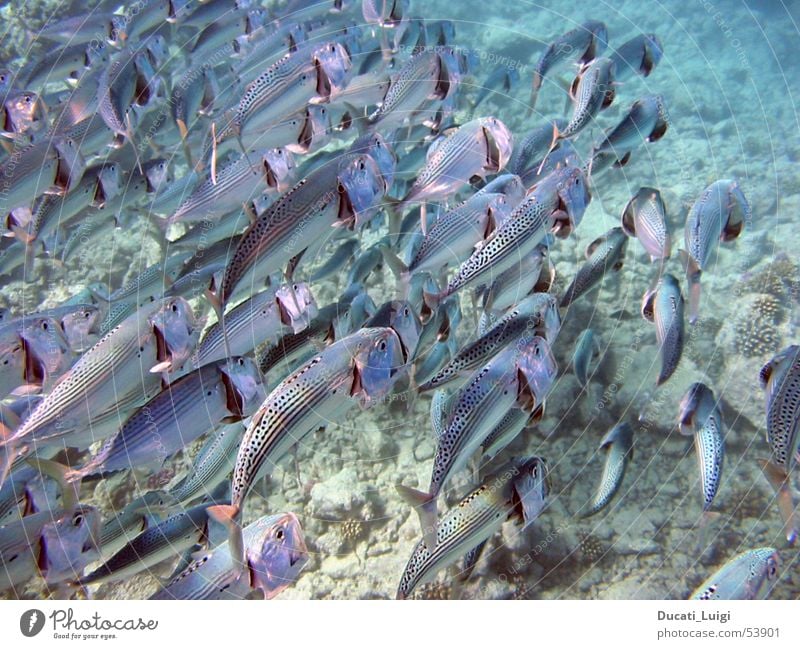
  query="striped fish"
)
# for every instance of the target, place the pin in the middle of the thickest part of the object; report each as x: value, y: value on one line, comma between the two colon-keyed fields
x: 719, y: 214
x: 587, y: 42
x: 155, y: 544
x: 663, y: 306
x: 645, y: 217
x: 287, y: 86
x: 646, y: 121
x: 557, y: 203
x: 112, y: 376
x: 334, y: 194
x: 700, y: 416
x: 536, y: 315
x: 423, y: 79
x: 749, y: 575
x: 57, y: 545
x: 592, y: 91
x: 212, y: 464
x: 618, y: 444
x: 247, y: 176
x: 275, y: 553
x: 265, y: 317
x: 513, y: 378
x: 781, y: 380
x: 189, y: 407
x: 480, y: 147
x: 318, y: 392
x: 604, y: 254
x: 518, y: 490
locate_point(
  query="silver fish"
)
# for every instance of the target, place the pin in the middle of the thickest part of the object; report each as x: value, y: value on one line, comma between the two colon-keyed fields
x: 536, y: 315
x: 480, y: 147
x: 534, y: 273
x: 604, y: 254
x: 640, y: 55
x: 275, y: 553
x: 236, y: 183
x: 645, y: 218
x: 342, y: 193
x: 263, y: 318
x: 136, y: 352
x: 557, y: 203
x: 228, y: 391
x: 423, y: 79
x: 328, y: 384
x: 780, y: 378
x: 211, y: 466
x: 719, y: 214
x: 647, y: 120
x: 587, y: 350
x: 509, y: 379
x: 502, y: 496
x: 592, y: 91
x: 663, y: 305
x: 618, y: 444
x: 455, y: 233
x: 56, y: 545
x: 700, y: 416
x: 51, y: 166
x: 587, y: 42
x: 155, y: 544
x: 749, y: 575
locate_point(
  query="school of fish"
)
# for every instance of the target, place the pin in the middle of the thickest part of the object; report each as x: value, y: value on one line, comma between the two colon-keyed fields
x: 286, y: 152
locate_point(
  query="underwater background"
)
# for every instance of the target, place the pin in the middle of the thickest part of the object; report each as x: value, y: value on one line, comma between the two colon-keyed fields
x: 728, y: 75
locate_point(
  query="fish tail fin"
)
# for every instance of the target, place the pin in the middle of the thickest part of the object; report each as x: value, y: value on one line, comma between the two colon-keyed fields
x: 425, y: 505
x: 701, y: 528
x: 60, y: 474
x: 229, y: 516
x: 399, y: 269
x: 779, y: 480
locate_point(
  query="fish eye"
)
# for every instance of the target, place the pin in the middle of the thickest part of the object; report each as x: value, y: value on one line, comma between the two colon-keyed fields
x: 174, y: 308
x: 44, y: 326
x: 382, y: 345
x: 361, y: 165
x: 406, y: 312
x: 280, y: 534
x: 77, y: 519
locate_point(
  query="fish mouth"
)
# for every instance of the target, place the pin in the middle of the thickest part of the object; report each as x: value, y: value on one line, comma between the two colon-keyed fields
x: 306, y: 137
x: 323, y: 82
x: 347, y: 213
x: 234, y: 401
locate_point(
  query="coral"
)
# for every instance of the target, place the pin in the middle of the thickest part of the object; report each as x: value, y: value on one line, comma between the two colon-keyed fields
x: 434, y: 590
x: 590, y: 547
x: 756, y: 337
x: 769, y: 308
x: 351, y: 531
x: 779, y: 277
